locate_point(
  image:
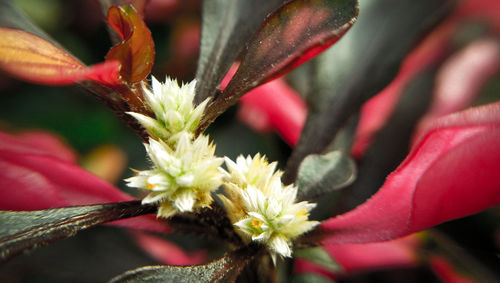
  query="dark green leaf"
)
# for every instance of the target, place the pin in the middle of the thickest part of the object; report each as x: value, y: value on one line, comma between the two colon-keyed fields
x: 321, y: 174
x: 360, y: 66
x: 291, y: 35
x: 311, y: 278
x: 225, y: 269
x: 24, y: 230
x: 226, y: 26
x: 321, y: 257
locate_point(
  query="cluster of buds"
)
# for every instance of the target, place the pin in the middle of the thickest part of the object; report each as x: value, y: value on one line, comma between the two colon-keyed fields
x: 185, y: 169
x: 185, y: 172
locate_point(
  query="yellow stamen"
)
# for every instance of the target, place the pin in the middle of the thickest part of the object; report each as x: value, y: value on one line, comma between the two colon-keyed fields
x: 256, y: 223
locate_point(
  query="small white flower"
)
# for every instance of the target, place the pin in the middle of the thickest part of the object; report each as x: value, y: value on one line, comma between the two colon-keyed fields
x: 181, y: 179
x: 173, y: 109
x: 262, y: 208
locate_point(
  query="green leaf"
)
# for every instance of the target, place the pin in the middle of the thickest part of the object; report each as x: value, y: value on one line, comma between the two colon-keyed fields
x: 291, y: 35
x: 360, y: 66
x: 225, y: 269
x: 321, y: 174
x: 226, y: 26
x: 311, y: 278
x: 321, y: 257
x: 24, y: 230
x: 136, y: 52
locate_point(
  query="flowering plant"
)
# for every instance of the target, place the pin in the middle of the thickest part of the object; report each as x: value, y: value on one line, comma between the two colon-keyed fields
x: 257, y: 211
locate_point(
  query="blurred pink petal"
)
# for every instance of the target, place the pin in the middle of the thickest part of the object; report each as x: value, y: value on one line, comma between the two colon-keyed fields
x: 445, y: 271
x: 166, y: 252
x: 451, y: 172
x: 367, y: 257
x: 33, y: 178
x: 461, y: 79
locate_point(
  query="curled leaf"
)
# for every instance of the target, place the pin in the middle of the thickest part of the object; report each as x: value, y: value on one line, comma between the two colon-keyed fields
x: 32, y: 58
x: 136, y: 51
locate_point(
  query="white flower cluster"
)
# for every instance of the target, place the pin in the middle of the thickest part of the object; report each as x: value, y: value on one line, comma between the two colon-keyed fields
x: 185, y: 170
x: 262, y: 208
x: 172, y: 106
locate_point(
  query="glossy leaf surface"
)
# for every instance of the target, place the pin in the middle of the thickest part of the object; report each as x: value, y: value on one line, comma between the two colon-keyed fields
x: 29, y: 57
x: 293, y: 34
x: 450, y: 173
x: 136, y: 51
x: 227, y: 25
x: 225, y: 269
x: 24, y: 230
x: 359, y: 66
x: 321, y: 174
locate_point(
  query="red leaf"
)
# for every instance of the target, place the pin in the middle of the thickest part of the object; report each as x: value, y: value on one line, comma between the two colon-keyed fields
x: 34, y: 59
x: 136, y: 51
x: 33, y: 177
x: 452, y: 172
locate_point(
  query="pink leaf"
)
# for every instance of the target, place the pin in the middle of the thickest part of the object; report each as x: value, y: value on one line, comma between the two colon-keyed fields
x: 37, y: 143
x: 166, y: 252
x: 274, y: 105
x: 33, y: 177
x: 434, y: 48
x: 365, y: 257
x: 462, y: 78
x: 451, y: 172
